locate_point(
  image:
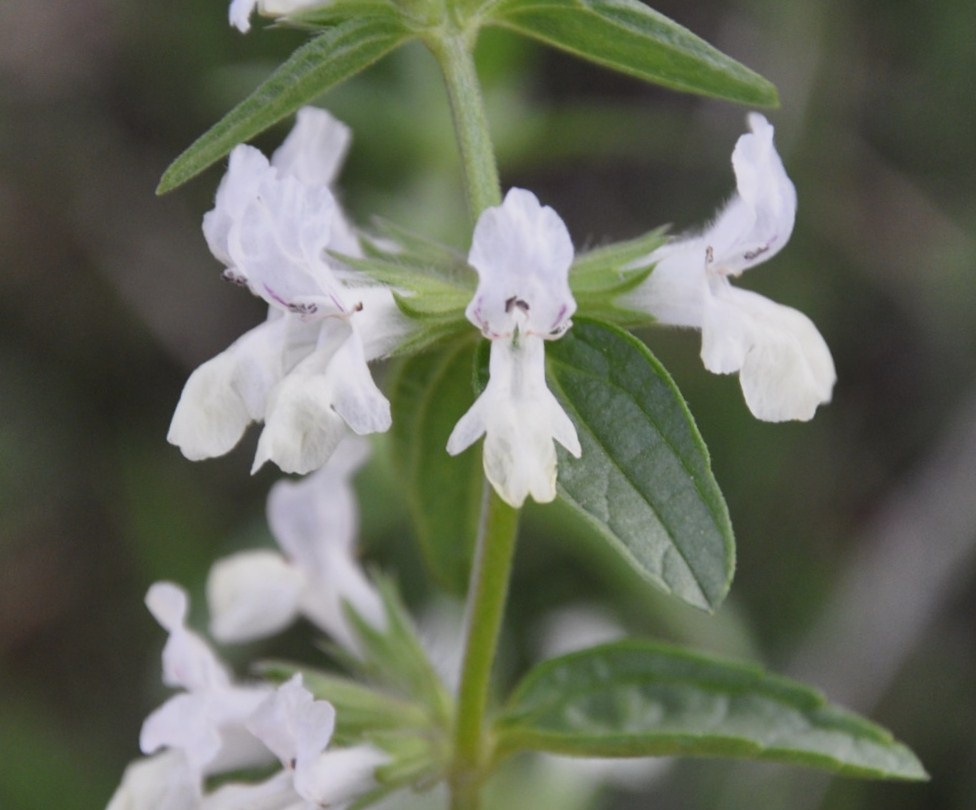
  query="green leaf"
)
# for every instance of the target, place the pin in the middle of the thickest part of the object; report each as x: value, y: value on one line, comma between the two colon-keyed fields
x: 644, y: 480
x: 431, y: 392
x: 637, y: 698
x: 328, y: 59
x: 628, y: 36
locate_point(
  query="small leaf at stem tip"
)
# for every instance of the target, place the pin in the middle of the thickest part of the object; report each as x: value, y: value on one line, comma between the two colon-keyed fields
x: 627, y: 36
x: 639, y: 698
x: 644, y: 480
x: 327, y: 60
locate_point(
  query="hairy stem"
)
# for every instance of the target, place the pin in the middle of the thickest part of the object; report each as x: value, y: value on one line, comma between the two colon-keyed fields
x: 453, y: 51
x: 452, y: 46
x: 487, y: 594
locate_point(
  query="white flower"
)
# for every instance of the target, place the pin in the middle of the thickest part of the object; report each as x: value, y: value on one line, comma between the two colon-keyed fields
x: 240, y: 10
x: 298, y: 728
x: 257, y: 593
x: 304, y: 370
x: 160, y: 782
x: 519, y: 418
x: 784, y: 365
x: 205, y: 723
x: 522, y: 252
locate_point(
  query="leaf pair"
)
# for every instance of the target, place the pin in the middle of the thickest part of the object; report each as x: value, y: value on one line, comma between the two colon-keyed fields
x: 624, y: 35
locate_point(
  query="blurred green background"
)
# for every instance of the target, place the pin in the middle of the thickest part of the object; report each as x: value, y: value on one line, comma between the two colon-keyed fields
x: 856, y: 532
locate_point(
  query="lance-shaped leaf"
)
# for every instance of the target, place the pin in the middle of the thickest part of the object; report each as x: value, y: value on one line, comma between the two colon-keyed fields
x: 643, y: 480
x: 637, y: 698
x: 327, y: 60
x: 431, y: 392
x: 628, y: 36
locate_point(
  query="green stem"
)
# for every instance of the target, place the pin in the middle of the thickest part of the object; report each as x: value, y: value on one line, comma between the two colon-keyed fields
x: 487, y: 594
x: 453, y: 46
x: 453, y: 51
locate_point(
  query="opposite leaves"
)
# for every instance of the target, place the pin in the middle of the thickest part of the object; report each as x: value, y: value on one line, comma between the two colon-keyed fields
x: 637, y: 698
x: 643, y: 480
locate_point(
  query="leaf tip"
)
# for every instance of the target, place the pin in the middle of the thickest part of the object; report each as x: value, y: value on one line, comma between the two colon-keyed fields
x: 166, y: 184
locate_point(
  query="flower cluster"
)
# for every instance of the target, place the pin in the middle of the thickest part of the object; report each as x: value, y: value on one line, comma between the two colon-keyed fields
x: 304, y: 370
x: 216, y: 725
x: 279, y: 231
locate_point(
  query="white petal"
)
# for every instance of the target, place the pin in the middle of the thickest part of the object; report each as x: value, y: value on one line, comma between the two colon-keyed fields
x: 314, y: 407
x: 674, y: 292
x: 301, y: 429
x: 160, y: 782
x: 356, y: 397
x: 316, y: 147
x: 339, y: 776
x: 315, y: 521
x: 380, y: 323
x: 758, y: 220
x: 187, y: 659
x: 470, y: 427
x: 208, y: 728
x: 276, y: 793
x: 183, y: 723
x: 279, y: 245
x: 168, y: 604
x: 294, y: 725
x: 281, y: 8
x: 319, y: 511
x: 522, y: 252
x: 784, y: 365
x: 252, y: 595
x: 246, y: 169
x: 752, y: 227
x: 520, y: 418
x: 343, y: 581
x: 223, y: 396
x: 240, y: 13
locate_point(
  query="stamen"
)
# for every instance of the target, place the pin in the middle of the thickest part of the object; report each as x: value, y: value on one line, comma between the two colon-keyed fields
x: 304, y: 308
x: 234, y: 277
